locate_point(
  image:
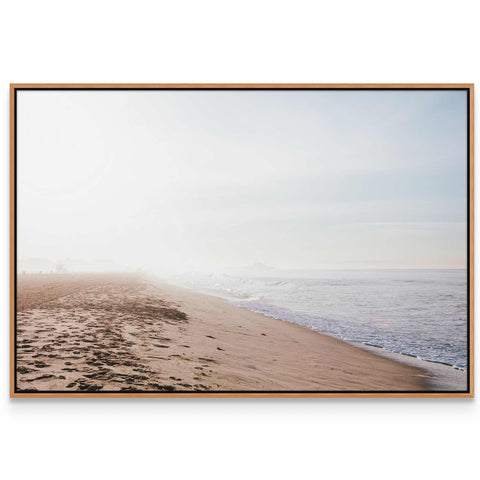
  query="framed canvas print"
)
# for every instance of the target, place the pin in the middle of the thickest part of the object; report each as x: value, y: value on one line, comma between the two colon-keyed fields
x: 241, y: 240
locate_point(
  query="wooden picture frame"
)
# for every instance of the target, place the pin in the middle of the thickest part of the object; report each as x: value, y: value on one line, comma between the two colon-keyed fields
x: 14, y: 145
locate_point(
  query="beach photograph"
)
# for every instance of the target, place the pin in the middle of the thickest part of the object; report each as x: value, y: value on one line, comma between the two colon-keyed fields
x: 241, y: 240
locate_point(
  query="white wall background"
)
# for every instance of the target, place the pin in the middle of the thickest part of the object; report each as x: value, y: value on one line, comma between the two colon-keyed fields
x: 218, y: 41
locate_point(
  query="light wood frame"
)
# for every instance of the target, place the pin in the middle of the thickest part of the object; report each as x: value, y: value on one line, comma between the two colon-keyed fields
x: 469, y: 87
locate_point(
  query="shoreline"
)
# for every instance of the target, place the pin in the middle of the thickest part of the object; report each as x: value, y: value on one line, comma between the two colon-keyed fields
x: 440, y: 376
x: 420, y: 372
x: 114, y: 332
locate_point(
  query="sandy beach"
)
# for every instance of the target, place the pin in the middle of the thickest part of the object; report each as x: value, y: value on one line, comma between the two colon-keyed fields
x: 125, y: 333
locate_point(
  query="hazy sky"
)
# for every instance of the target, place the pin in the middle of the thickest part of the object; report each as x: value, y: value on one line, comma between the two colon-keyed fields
x: 211, y: 179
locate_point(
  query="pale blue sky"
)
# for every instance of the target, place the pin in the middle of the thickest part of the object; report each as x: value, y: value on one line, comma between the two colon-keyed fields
x: 208, y: 179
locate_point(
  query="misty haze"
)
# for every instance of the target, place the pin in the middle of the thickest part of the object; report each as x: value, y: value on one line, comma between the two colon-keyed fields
x: 238, y: 240
x: 188, y: 180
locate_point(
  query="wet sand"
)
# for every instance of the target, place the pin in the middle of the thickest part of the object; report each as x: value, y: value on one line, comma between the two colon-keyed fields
x: 127, y: 333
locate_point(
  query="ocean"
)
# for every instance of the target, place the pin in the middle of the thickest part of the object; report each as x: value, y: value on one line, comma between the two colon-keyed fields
x: 420, y: 313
